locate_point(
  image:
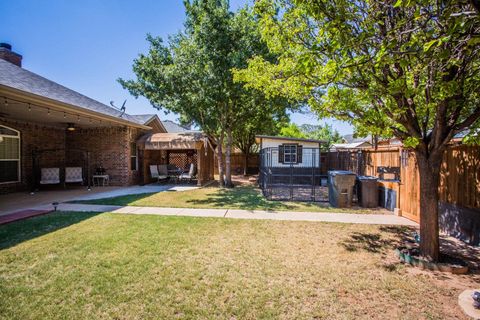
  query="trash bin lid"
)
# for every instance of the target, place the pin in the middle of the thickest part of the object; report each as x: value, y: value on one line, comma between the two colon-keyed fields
x: 341, y: 173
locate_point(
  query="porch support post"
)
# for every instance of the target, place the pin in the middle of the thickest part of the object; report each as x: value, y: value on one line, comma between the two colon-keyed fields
x: 200, y: 165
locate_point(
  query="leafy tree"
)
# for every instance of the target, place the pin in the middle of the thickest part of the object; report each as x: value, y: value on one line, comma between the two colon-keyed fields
x: 192, y: 76
x: 268, y: 119
x: 292, y: 131
x: 319, y: 132
x: 396, y: 67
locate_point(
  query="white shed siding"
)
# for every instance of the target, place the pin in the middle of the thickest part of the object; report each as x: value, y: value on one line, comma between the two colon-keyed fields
x: 310, y: 153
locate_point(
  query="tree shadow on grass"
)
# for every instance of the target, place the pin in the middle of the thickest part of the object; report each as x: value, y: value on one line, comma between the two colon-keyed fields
x: 378, y: 242
x: 241, y: 197
x: 17, y: 232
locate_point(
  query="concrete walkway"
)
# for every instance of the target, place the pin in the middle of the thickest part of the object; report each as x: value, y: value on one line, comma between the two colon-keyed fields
x: 243, y: 214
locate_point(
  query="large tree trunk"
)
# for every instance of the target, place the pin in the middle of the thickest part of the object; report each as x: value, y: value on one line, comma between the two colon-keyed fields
x: 221, y: 172
x: 228, y: 157
x: 429, y: 172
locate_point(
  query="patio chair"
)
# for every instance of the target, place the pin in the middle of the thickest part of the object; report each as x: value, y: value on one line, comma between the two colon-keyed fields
x: 188, y: 176
x: 155, y: 174
x: 73, y: 175
x: 50, y: 176
x: 162, y: 172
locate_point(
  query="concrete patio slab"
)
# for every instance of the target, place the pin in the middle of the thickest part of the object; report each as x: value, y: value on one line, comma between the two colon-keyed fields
x: 150, y: 188
x: 23, y: 200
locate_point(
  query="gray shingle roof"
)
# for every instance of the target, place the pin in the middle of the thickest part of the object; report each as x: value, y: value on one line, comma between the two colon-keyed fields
x: 173, y: 127
x: 351, y: 138
x: 142, y: 118
x: 24, y: 80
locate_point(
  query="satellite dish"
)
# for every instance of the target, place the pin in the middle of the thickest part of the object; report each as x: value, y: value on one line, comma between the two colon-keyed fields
x: 121, y: 109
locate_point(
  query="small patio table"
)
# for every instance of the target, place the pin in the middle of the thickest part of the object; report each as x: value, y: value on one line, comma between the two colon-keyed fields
x: 175, y: 174
x: 101, y: 177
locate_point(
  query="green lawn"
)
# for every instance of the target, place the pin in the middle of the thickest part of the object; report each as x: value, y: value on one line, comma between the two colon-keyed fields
x: 241, y: 197
x: 112, y: 266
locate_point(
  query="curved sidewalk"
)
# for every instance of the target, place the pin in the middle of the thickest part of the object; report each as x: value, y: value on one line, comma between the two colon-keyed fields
x: 382, y: 219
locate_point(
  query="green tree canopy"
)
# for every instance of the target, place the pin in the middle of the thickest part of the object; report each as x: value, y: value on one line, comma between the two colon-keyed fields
x: 395, y: 67
x: 292, y: 131
x: 319, y: 132
x: 192, y: 74
x: 309, y: 131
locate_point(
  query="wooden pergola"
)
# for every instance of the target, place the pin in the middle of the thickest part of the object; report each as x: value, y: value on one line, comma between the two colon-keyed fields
x: 179, y: 149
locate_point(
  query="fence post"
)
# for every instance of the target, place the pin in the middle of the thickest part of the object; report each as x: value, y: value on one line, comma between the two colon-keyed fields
x: 313, y: 172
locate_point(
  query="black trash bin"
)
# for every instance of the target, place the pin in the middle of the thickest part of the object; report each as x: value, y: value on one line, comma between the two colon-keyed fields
x: 340, y: 188
x: 367, y: 191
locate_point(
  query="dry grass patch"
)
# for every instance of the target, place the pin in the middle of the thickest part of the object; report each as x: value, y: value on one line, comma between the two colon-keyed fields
x: 84, y: 266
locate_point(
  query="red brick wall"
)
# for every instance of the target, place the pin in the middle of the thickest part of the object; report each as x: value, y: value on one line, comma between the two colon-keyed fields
x: 108, y: 147
x: 40, y: 137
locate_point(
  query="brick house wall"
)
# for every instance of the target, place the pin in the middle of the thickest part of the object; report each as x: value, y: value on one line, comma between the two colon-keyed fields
x: 109, y: 147
x: 35, y: 136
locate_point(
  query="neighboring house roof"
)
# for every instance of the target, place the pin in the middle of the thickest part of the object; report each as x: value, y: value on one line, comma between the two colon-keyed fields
x: 258, y: 137
x: 152, y: 120
x: 350, y: 138
x: 173, y: 127
x: 20, y: 79
x: 354, y: 145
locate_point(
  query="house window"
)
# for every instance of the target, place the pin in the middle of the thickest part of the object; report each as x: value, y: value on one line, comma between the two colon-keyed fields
x: 9, y: 155
x: 289, y: 153
x: 133, y: 156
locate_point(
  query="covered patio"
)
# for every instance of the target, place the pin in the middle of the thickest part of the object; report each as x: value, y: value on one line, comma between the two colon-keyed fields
x: 178, y: 151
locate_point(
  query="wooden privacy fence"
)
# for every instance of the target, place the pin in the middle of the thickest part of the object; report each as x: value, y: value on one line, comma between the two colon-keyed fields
x: 459, y: 182
x: 238, y: 162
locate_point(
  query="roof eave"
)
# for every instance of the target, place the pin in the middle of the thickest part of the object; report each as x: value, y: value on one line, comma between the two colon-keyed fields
x: 159, y: 121
x: 289, y: 138
x: 62, y: 106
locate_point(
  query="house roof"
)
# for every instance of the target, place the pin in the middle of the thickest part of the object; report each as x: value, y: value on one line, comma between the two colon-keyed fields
x: 351, y: 138
x: 257, y: 137
x: 143, y: 118
x: 354, y: 145
x: 173, y: 127
x: 23, y: 80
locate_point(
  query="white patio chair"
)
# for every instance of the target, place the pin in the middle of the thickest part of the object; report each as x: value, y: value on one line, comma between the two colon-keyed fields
x: 190, y: 174
x: 155, y: 174
x: 162, y: 172
x: 73, y: 175
x: 50, y: 176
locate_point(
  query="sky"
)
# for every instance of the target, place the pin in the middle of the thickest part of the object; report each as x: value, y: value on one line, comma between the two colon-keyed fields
x: 87, y: 45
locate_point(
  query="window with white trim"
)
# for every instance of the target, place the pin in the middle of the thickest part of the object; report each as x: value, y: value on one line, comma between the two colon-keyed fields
x: 9, y: 155
x: 289, y: 153
x: 133, y: 156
